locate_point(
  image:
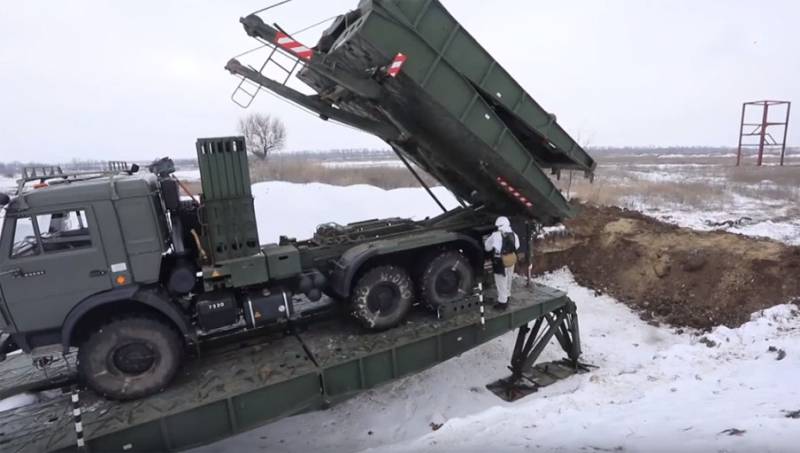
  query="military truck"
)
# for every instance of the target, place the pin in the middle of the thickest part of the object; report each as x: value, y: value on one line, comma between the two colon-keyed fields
x: 122, y: 266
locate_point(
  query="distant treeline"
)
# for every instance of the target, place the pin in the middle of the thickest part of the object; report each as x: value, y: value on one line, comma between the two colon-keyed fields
x: 359, y: 154
x: 10, y: 169
x: 687, y: 150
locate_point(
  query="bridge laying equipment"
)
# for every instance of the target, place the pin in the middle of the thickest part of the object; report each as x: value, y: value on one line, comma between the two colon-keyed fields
x: 238, y: 386
x: 407, y: 72
x: 123, y: 277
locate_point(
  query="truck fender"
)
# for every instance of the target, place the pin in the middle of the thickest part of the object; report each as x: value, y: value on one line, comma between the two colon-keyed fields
x: 350, y: 262
x: 154, y: 298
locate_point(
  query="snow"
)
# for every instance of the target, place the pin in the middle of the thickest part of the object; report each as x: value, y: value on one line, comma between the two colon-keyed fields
x: 188, y: 174
x: 751, y: 217
x: 555, y: 230
x: 296, y: 209
x: 788, y: 232
x: 657, y: 176
x: 666, y: 156
x: 659, y: 166
x: 655, y: 389
x: 7, y: 184
x: 767, y: 208
x: 13, y: 402
x: 689, y: 155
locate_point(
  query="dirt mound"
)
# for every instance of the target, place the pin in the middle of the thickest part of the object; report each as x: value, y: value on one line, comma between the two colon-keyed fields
x: 681, y: 276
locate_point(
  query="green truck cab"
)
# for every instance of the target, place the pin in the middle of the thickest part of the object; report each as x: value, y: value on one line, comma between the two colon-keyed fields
x: 67, y: 242
x: 81, y: 252
x: 118, y: 265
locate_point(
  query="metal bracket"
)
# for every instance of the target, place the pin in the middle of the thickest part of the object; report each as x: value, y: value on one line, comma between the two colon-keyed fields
x: 526, y: 378
x: 113, y: 186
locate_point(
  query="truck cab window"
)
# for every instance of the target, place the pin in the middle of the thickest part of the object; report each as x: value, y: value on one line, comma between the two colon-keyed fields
x: 64, y: 230
x: 25, y: 240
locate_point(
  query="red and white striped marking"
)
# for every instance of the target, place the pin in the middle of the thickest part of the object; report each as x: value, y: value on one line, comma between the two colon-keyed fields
x: 514, y: 192
x: 283, y: 40
x: 397, y: 65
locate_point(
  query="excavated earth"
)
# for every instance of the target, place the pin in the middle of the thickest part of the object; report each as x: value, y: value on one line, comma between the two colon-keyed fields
x: 676, y: 275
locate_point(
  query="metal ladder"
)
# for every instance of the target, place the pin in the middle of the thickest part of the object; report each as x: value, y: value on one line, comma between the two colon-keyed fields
x: 246, y: 91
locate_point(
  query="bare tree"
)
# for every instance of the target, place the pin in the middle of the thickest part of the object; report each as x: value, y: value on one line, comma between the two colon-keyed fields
x: 263, y: 134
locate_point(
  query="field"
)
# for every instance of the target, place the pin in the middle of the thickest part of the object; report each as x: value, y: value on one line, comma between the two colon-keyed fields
x: 699, y: 190
x: 705, y: 354
x: 711, y: 387
x: 715, y: 388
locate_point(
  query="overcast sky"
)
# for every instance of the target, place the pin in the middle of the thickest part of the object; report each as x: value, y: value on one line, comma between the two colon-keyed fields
x: 139, y: 79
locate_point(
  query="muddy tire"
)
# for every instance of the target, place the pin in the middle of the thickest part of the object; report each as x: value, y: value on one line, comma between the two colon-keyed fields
x: 382, y: 297
x: 447, y: 279
x: 130, y: 358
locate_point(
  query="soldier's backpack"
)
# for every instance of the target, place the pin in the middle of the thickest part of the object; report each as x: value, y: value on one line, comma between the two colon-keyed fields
x: 508, y: 252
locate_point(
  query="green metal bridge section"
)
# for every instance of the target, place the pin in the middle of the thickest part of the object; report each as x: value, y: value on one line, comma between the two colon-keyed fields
x: 452, y: 67
x: 407, y: 72
x: 238, y: 387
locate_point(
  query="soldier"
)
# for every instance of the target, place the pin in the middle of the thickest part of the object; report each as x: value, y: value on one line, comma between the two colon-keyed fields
x: 503, y: 245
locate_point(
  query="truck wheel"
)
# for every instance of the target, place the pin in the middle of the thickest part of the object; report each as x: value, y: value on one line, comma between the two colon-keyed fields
x: 130, y: 358
x: 448, y: 278
x: 382, y: 297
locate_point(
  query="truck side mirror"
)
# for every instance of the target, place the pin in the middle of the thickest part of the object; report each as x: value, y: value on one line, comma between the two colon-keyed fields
x: 4, y: 199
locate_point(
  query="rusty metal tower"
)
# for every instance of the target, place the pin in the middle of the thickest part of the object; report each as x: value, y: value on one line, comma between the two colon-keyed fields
x: 761, y: 129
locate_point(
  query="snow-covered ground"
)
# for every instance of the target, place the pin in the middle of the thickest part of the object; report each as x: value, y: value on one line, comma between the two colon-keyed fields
x: 7, y: 183
x: 363, y: 163
x: 23, y: 399
x: 655, y: 389
x: 768, y: 207
x: 284, y: 208
x: 8, y: 186
x: 188, y: 174
x: 193, y: 174
x: 749, y: 217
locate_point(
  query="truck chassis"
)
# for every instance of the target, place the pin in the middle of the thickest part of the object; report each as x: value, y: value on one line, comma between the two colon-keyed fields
x: 239, y: 387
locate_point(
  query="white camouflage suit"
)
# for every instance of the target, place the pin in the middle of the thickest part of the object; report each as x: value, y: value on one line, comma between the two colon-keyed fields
x: 494, y: 243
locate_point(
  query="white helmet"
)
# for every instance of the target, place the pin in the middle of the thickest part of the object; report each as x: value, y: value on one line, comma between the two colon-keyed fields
x: 502, y: 222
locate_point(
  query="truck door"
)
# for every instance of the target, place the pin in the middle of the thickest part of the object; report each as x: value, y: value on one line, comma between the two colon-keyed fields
x: 55, y: 261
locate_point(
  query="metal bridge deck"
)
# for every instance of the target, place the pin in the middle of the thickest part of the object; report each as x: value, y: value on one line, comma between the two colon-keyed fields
x: 17, y: 375
x: 235, y: 389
